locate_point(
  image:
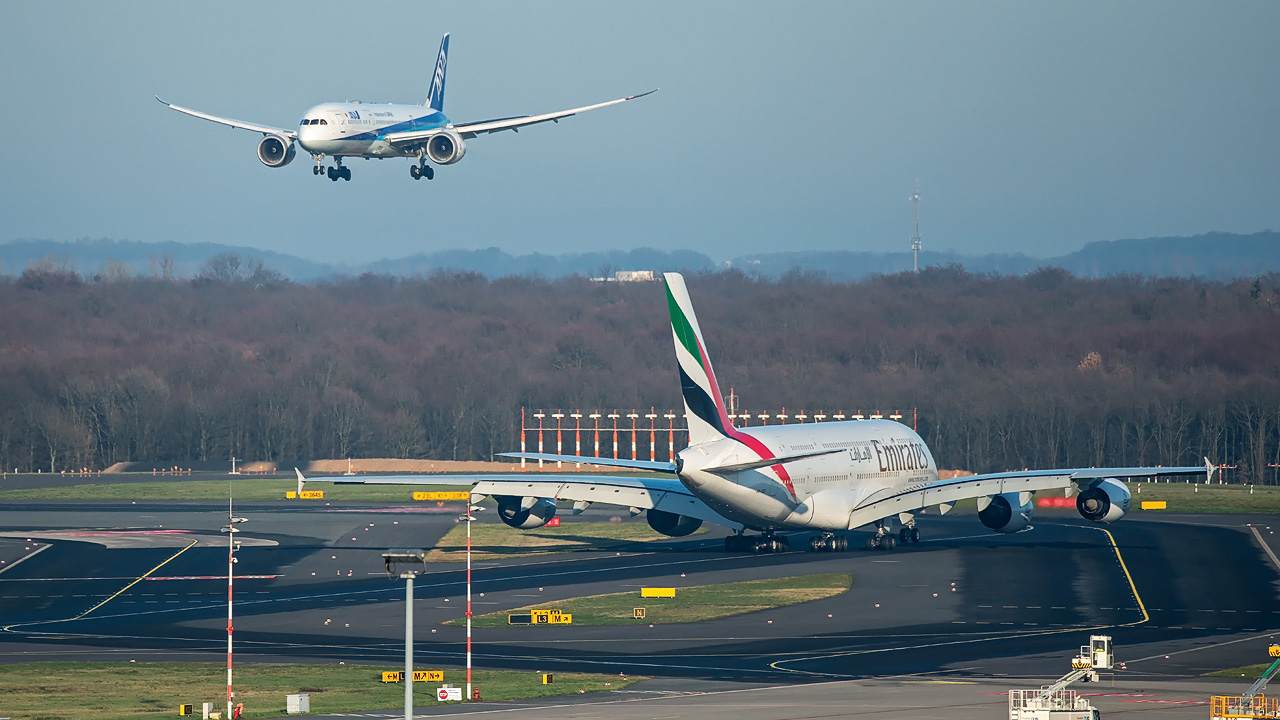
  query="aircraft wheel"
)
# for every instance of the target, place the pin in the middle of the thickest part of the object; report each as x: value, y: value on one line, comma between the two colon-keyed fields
x: 915, y: 535
x: 346, y: 174
x: 889, y: 542
x: 873, y: 542
x: 815, y: 544
x: 904, y: 536
x: 841, y: 543
x: 429, y: 172
x: 415, y: 172
x: 315, y: 169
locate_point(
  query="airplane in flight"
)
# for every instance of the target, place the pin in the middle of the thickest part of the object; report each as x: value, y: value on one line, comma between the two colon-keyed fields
x: 827, y: 477
x: 366, y: 130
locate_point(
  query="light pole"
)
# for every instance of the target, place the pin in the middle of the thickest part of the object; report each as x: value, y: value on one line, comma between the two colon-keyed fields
x: 469, y: 518
x: 391, y: 559
x: 231, y: 531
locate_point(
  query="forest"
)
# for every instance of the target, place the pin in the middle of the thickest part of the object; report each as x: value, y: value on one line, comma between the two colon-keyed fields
x: 1035, y: 370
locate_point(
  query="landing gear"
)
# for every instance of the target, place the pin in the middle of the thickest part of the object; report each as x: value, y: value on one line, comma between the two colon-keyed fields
x: 319, y: 168
x: 339, y: 172
x: 881, y: 542
x: 828, y: 542
x: 883, y: 539
x: 417, y: 172
x: 766, y: 543
x: 909, y: 535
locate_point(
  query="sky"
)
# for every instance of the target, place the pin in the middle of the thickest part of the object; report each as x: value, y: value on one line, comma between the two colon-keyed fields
x: 1033, y: 127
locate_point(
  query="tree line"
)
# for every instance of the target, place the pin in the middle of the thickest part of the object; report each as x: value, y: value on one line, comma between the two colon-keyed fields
x: 1042, y: 369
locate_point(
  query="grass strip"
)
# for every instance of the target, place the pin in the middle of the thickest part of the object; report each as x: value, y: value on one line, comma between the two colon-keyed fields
x: 134, y: 691
x: 492, y: 541
x: 691, y: 604
x: 1250, y: 672
x: 1201, y: 498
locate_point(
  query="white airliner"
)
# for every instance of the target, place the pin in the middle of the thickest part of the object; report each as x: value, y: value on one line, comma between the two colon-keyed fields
x: 365, y: 130
x: 825, y: 477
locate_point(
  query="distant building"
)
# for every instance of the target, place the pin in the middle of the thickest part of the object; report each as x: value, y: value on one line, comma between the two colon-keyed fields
x: 629, y: 276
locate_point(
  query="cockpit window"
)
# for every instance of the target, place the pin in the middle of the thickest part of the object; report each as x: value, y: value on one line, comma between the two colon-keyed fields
x: 323, y: 121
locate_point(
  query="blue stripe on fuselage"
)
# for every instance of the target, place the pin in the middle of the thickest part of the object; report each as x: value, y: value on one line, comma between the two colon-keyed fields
x: 430, y: 121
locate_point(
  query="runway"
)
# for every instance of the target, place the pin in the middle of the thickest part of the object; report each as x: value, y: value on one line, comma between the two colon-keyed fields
x: 118, y: 580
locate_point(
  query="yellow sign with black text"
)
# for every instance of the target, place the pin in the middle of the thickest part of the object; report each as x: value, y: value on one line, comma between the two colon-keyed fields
x: 393, y: 676
x: 311, y: 494
x: 551, y: 617
x: 451, y: 495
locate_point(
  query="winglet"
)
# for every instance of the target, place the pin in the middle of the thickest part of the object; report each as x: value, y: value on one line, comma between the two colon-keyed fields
x: 435, y: 94
x: 1209, y: 469
x: 161, y: 101
x: 300, y: 481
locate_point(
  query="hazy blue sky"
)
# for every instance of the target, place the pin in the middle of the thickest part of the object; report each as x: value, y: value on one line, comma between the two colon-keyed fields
x: 1033, y: 127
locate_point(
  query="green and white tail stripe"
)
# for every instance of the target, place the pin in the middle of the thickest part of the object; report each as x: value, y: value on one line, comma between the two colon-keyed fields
x: 703, y: 405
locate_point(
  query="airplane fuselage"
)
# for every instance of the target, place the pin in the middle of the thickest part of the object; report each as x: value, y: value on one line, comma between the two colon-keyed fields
x: 871, y: 457
x: 360, y: 129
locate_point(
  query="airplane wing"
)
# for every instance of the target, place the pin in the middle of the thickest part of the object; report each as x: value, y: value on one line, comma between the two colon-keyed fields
x: 914, y: 498
x: 665, y: 494
x: 472, y: 129
x: 264, y: 129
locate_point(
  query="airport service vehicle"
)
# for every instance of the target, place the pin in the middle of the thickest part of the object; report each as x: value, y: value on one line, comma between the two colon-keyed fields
x: 366, y: 130
x: 826, y: 477
x: 1056, y: 702
x: 1253, y: 703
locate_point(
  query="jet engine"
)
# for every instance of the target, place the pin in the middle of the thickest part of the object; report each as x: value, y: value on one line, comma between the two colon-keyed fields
x: 525, y: 513
x: 671, y: 524
x: 276, y: 151
x: 1106, y: 502
x: 446, y: 148
x: 1005, y: 513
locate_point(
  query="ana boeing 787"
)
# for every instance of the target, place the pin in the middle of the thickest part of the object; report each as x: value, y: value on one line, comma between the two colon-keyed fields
x: 826, y: 477
x: 365, y: 130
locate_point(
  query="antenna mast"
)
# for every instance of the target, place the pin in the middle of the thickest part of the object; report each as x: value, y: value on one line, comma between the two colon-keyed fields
x: 915, y: 239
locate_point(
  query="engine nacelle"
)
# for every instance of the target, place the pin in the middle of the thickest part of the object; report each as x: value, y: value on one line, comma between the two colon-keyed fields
x: 1005, y: 513
x: 446, y: 148
x: 1106, y: 502
x: 525, y: 513
x: 671, y: 524
x: 276, y: 151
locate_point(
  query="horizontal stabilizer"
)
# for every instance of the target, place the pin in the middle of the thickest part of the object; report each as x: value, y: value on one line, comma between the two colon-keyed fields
x: 768, y: 462
x: 649, y: 465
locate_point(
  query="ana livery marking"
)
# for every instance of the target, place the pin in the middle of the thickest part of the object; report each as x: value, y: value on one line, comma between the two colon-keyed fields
x: 354, y: 129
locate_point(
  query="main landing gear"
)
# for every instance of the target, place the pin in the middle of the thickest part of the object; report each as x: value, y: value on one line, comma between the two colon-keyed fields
x: 884, y: 538
x: 422, y: 170
x: 767, y: 543
x: 335, y: 173
x: 828, y: 542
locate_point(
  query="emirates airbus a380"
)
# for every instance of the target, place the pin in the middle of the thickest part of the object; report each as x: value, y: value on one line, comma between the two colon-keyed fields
x: 365, y: 130
x: 826, y: 477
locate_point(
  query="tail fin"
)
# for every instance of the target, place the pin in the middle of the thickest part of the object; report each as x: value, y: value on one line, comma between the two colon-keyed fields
x: 435, y: 94
x: 703, y: 404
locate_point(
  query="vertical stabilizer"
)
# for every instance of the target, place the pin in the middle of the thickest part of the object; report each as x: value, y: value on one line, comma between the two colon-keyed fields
x: 703, y: 404
x: 435, y: 94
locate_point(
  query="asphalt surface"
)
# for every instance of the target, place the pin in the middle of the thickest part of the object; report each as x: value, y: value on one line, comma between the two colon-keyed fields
x: 1183, y: 596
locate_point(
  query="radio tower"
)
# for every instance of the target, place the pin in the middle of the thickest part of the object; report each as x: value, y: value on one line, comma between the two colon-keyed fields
x: 915, y: 239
